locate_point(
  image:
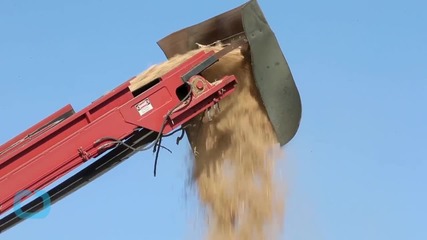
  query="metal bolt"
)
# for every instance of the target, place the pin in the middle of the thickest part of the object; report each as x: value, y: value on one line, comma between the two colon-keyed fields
x: 200, y: 85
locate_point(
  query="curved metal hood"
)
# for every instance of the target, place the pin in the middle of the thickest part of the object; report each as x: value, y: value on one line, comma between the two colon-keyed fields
x: 270, y: 68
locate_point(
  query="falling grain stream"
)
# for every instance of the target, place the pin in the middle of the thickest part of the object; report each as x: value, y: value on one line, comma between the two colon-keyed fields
x: 234, y: 156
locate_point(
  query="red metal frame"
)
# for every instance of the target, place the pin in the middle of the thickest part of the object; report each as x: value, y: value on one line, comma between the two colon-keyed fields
x: 50, y: 149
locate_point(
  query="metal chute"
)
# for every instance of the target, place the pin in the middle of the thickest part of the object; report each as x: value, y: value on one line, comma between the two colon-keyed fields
x: 272, y: 74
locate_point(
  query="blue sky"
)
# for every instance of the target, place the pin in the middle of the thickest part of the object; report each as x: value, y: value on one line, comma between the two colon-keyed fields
x: 356, y: 169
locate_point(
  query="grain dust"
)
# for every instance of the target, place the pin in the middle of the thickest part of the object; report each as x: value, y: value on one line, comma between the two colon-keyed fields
x: 233, y: 155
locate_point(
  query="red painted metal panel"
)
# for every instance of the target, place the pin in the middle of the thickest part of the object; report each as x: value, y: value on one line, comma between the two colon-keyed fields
x: 56, y: 151
x: 21, y: 139
x: 53, y: 153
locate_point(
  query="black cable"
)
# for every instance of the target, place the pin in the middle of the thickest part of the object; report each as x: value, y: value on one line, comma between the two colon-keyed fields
x: 158, y: 140
x: 177, y: 130
x: 178, y: 139
x: 157, y: 157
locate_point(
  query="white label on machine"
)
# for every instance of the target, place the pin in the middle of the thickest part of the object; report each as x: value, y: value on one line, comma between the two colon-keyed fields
x: 144, y: 106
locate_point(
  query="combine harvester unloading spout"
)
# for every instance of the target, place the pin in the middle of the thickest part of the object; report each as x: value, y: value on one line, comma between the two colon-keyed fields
x: 144, y: 110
